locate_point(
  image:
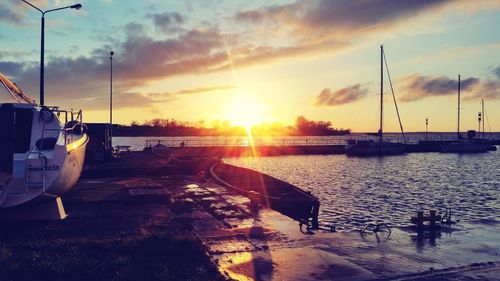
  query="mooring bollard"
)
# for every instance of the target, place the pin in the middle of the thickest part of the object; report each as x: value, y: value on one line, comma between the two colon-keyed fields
x: 420, y: 219
x: 432, y: 219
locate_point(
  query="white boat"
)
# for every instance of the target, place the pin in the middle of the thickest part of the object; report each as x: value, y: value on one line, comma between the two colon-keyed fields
x: 380, y: 147
x: 461, y: 145
x: 42, y: 150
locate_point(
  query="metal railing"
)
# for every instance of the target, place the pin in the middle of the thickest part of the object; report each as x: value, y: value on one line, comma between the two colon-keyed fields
x: 69, y: 116
x: 285, y: 141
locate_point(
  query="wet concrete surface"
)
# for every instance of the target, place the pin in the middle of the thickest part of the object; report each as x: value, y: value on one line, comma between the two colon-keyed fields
x: 260, y: 244
x: 250, y: 244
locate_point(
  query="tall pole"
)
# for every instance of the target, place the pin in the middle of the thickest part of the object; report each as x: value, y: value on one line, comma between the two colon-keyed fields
x: 42, y: 44
x: 42, y: 63
x: 111, y: 88
x: 426, y: 128
x: 381, y: 91
x: 458, y: 126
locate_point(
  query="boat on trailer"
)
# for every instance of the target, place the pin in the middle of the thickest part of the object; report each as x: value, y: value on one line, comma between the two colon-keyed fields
x: 269, y: 192
x: 42, y: 151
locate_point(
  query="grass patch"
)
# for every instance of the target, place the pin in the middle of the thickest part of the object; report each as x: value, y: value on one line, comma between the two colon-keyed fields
x: 151, y: 258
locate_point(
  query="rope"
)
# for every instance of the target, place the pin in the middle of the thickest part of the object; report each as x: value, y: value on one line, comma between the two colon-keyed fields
x: 487, y: 120
x: 15, y: 91
x: 394, y: 96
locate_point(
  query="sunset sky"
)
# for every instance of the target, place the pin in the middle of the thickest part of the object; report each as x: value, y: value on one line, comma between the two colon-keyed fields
x: 261, y: 61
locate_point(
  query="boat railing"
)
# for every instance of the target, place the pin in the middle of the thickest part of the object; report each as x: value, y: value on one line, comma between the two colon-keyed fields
x: 69, y: 115
x: 73, y: 120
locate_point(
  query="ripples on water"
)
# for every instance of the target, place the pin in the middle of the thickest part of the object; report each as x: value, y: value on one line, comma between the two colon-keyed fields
x: 356, y: 191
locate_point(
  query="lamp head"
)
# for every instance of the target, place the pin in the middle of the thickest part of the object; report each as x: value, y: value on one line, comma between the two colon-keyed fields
x: 77, y: 6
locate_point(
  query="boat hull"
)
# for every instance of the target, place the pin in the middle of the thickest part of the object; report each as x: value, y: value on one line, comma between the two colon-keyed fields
x: 375, y: 149
x: 268, y: 192
x: 71, y: 170
x: 466, y: 147
x: 61, y: 173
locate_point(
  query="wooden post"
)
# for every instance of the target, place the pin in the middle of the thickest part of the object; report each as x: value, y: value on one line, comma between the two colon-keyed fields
x: 432, y: 219
x: 420, y: 219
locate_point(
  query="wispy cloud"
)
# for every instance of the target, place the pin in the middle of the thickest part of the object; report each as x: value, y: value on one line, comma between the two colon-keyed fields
x: 456, y: 53
x: 127, y: 100
x: 206, y: 90
x: 202, y: 90
x: 167, y: 22
x: 496, y: 71
x: 324, y: 19
x: 417, y: 87
x: 9, y: 14
x: 342, y: 96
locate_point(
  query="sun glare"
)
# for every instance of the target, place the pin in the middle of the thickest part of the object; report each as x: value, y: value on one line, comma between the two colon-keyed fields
x: 245, y: 111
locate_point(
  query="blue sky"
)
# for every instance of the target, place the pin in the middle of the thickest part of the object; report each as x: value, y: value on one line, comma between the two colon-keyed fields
x: 268, y: 61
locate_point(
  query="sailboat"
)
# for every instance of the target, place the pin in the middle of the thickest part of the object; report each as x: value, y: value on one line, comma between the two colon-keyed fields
x: 42, y: 150
x: 462, y: 145
x: 380, y: 147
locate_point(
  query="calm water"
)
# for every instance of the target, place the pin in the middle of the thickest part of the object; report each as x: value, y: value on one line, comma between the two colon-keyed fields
x: 357, y: 191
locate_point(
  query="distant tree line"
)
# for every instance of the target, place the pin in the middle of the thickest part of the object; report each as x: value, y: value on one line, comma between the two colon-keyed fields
x: 172, y: 127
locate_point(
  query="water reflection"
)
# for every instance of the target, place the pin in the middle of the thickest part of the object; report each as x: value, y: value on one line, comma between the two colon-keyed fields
x: 253, y: 265
x: 357, y: 191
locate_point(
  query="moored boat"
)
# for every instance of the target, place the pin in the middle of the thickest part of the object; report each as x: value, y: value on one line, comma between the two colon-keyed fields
x: 465, y: 146
x: 370, y: 148
x: 380, y: 147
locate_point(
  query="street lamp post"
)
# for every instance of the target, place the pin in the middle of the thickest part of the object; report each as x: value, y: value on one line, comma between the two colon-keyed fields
x: 42, y: 47
x: 111, y: 87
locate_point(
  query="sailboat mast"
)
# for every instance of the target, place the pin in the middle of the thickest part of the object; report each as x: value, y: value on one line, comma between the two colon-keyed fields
x: 458, y: 126
x: 381, y: 91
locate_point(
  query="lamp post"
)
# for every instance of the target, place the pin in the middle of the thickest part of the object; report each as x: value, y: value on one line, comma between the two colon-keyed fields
x: 42, y: 48
x: 111, y: 87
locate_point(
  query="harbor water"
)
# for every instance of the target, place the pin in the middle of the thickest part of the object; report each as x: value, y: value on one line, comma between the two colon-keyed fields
x: 357, y: 191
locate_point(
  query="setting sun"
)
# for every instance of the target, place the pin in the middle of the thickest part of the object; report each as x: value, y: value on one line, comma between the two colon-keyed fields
x: 246, y: 111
